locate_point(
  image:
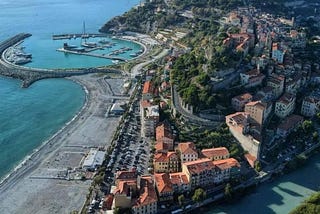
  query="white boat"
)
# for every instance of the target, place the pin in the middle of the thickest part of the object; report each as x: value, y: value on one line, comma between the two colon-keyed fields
x: 21, y: 60
x: 89, y: 44
x: 115, y: 61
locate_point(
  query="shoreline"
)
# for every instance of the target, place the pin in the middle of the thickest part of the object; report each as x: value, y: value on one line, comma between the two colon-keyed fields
x: 41, y: 147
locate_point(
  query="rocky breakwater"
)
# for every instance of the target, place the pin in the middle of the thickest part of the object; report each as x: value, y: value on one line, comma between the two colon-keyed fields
x: 30, y: 75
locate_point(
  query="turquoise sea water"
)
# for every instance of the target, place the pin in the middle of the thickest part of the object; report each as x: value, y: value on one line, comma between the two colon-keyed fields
x: 30, y: 116
x: 279, y: 196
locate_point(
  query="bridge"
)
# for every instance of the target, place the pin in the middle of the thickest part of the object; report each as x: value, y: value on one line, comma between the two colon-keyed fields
x: 30, y: 75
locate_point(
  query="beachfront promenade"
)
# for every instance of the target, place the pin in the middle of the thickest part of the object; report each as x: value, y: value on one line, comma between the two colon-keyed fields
x: 30, y: 75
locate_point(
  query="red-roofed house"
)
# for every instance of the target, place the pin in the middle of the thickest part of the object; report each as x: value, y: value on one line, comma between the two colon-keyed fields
x: 164, y: 187
x: 147, y: 201
x: 225, y: 169
x: 180, y: 183
x: 291, y: 123
x: 258, y: 111
x: 251, y: 78
x: 216, y: 153
x: 199, y: 172
x: 188, y: 152
x: 251, y: 159
x: 164, y: 134
x: 239, y: 101
x: 166, y: 162
x: 148, y: 90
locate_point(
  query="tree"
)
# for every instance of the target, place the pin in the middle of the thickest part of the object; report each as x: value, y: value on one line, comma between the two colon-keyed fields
x: 257, y: 166
x: 181, y: 200
x: 228, y: 191
x: 199, y: 195
x: 307, y: 126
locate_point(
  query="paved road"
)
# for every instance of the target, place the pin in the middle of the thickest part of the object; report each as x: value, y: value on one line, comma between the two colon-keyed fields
x: 187, y: 115
x: 136, y: 70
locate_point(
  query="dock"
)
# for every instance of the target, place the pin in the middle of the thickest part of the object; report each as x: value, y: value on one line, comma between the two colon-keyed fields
x: 92, y: 54
x: 76, y: 35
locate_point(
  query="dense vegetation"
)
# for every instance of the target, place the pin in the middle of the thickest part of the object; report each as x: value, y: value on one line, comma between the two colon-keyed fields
x: 309, y: 206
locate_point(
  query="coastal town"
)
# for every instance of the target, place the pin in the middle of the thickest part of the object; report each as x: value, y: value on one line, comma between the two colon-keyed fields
x: 181, y: 127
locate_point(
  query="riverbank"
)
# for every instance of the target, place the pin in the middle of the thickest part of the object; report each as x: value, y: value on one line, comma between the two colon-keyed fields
x: 63, y: 151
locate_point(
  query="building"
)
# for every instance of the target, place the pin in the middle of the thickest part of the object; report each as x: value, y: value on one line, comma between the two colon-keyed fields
x: 258, y: 111
x: 239, y: 127
x: 149, y: 120
x: 93, y: 159
x: 164, y: 187
x: 285, y: 105
x: 226, y: 169
x: 276, y: 82
x: 148, y: 90
x: 265, y: 94
x: 216, y: 153
x: 117, y: 109
x: 310, y: 106
x: 187, y: 151
x: 278, y: 53
x: 251, y: 78
x: 166, y: 162
x: 164, y: 135
x: 180, y: 183
x: 239, y: 101
x: 289, y: 124
x: 147, y: 201
x: 199, y: 172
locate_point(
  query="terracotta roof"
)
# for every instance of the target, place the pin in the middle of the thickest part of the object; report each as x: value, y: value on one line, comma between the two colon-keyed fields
x: 145, y: 104
x: 200, y: 165
x: 147, y: 192
x: 240, y: 118
x: 126, y: 175
x: 226, y: 163
x: 213, y: 152
x: 163, y: 183
x: 124, y: 187
x: 178, y: 178
x: 163, y: 130
x: 161, y: 146
x: 187, y: 148
x: 242, y: 97
x: 257, y: 104
x: 286, y: 98
x: 147, y: 88
x: 251, y: 159
x: 290, y: 122
x: 161, y: 157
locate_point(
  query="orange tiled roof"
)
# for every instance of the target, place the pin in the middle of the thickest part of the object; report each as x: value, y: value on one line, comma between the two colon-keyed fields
x: 125, y: 175
x: 124, y: 187
x: 161, y: 146
x: 147, y: 88
x: 226, y: 163
x: 213, y: 152
x: 187, y: 148
x: 163, y: 130
x: 161, y: 157
x: 200, y: 165
x: 251, y: 159
x: 163, y: 183
x: 147, y: 192
x: 178, y: 178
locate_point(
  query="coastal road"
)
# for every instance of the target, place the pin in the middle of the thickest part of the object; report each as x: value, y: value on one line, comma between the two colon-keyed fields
x: 137, y: 69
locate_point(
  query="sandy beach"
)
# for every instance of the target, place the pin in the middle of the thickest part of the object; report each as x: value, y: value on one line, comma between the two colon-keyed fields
x: 39, y: 185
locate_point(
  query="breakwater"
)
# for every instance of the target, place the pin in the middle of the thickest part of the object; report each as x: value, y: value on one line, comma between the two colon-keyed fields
x: 30, y: 75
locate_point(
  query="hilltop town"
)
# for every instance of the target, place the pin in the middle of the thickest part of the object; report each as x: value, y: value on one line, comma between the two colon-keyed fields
x: 233, y: 104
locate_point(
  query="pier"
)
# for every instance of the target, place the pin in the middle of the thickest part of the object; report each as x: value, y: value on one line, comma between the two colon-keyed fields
x: 76, y: 35
x: 87, y: 53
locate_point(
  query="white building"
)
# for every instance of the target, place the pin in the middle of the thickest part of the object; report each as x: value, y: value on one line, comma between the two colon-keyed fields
x: 93, y: 159
x: 285, y: 105
x: 310, y: 106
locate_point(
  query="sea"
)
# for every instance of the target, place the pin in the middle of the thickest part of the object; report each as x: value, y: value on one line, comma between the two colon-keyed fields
x: 29, y: 116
